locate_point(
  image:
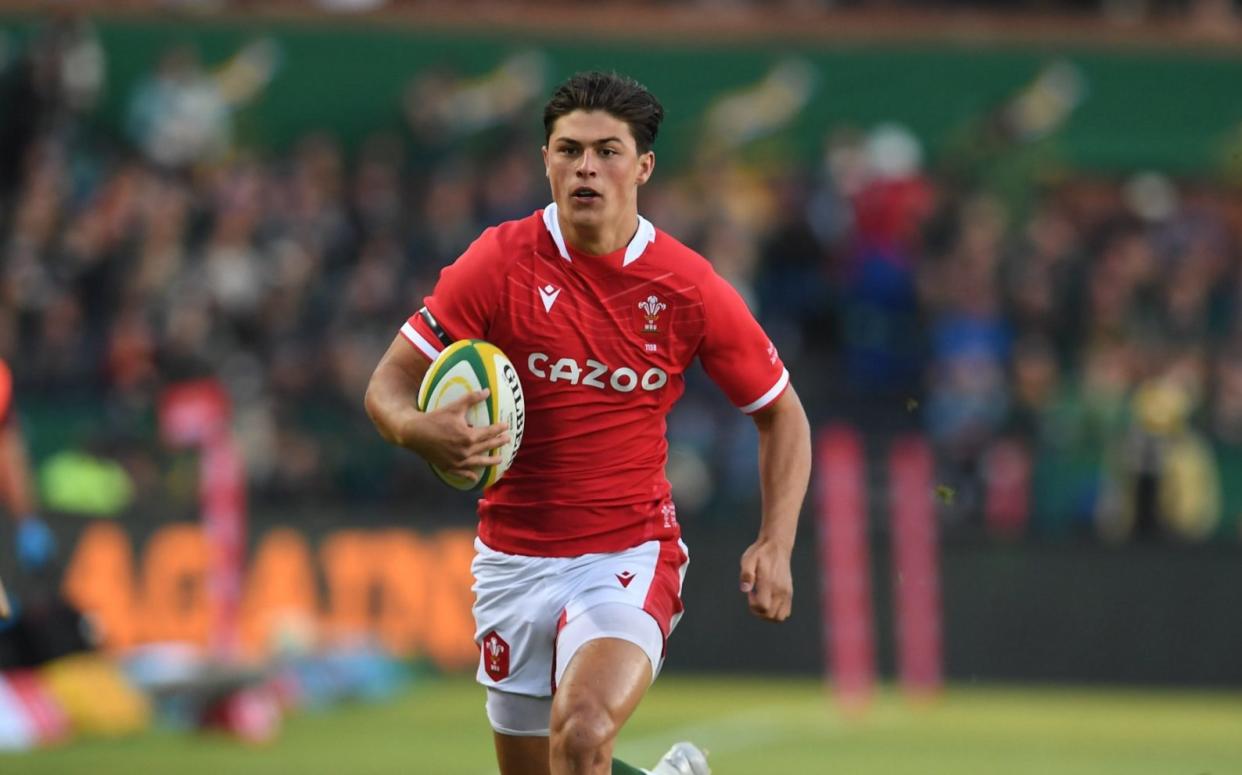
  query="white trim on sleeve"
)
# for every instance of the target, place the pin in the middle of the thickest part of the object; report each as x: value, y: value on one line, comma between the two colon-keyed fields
x: 769, y: 396
x: 416, y: 339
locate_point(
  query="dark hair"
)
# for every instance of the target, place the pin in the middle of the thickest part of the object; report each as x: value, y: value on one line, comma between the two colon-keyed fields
x: 617, y: 95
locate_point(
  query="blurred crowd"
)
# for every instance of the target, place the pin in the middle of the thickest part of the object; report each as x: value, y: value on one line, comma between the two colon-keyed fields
x: 1072, y: 347
x: 1201, y: 19
x: 1120, y: 10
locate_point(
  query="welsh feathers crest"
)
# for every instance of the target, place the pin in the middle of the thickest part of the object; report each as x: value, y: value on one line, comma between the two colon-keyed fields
x: 651, y: 307
x: 495, y: 654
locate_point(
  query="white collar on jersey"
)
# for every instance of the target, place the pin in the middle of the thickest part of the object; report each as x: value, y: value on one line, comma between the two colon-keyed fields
x: 643, y: 237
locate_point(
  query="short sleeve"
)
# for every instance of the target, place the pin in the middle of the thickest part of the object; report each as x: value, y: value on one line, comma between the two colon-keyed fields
x: 465, y: 299
x: 735, y: 352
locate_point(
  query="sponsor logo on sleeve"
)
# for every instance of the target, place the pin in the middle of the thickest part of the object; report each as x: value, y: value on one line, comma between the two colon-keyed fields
x: 669, y: 512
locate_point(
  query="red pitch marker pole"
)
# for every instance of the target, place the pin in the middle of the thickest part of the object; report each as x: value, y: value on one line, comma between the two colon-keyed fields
x: 916, y: 567
x: 1007, y: 471
x: 197, y: 414
x: 845, y: 582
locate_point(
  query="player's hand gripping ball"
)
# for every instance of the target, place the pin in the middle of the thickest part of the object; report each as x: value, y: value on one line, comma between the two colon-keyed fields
x: 463, y: 367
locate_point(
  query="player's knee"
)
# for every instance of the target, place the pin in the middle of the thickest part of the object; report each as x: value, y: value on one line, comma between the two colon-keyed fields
x: 582, y: 732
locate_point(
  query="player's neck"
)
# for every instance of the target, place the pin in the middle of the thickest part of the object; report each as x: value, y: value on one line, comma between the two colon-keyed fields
x: 600, y: 240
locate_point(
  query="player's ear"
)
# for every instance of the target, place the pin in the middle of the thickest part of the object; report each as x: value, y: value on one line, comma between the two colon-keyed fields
x: 546, y: 173
x: 646, y: 166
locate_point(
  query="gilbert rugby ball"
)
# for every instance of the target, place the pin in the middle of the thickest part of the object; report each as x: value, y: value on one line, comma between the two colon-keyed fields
x: 465, y: 366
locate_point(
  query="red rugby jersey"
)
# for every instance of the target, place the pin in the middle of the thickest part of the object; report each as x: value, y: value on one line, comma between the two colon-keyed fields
x: 601, y: 344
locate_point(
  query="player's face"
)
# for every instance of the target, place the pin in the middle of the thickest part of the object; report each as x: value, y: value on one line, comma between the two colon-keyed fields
x: 595, y: 170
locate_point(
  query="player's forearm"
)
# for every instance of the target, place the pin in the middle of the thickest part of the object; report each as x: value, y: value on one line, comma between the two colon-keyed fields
x: 784, y: 467
x: 392, y: 394
x: 15, y: 484
x: 391, y: 404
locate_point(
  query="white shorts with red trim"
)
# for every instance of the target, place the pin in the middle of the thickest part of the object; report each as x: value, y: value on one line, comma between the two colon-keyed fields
x: 522, y: 603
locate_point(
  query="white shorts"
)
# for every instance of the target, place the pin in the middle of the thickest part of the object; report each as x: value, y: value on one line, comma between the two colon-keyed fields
x: 522, y: 603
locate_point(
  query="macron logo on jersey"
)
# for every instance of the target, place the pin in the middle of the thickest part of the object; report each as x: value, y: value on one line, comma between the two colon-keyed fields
x: 548, y: 294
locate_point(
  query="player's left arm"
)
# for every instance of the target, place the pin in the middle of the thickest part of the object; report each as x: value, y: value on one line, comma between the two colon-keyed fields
x: 15, y: 471
x: 784, y: 471
x: 35, y: 543
x: 739, y: 357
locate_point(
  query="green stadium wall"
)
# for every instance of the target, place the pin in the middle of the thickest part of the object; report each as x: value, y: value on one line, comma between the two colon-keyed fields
x: 1175, y: 110
x: 1060, y: 613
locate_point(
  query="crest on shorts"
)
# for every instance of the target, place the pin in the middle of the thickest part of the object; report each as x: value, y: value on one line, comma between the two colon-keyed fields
x: 651, y: 308
x: 494, y: 652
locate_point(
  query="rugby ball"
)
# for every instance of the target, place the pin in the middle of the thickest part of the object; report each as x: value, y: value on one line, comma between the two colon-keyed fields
x: 463, y: 367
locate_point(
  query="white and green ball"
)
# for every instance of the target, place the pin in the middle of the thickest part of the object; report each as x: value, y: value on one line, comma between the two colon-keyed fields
x: 466, y: 366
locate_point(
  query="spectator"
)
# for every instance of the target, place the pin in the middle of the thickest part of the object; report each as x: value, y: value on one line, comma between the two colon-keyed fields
x: 182, y: 114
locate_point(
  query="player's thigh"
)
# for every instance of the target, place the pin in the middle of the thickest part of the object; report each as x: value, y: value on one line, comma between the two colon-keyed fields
x: 609, y: 620
x: 603, y: 682
x: 634, y: 595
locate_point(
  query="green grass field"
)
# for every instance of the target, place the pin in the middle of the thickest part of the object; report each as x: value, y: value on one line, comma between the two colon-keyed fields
x: 752, y: 727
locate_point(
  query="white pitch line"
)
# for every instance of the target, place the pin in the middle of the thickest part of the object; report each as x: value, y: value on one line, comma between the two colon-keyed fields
x: 722, y: 735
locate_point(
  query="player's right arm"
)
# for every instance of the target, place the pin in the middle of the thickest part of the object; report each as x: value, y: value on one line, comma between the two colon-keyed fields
x: 460, y: 307
x: 442, y: 437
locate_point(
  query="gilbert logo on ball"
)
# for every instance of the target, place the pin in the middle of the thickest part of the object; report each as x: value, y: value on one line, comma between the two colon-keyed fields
x: 463, y: 367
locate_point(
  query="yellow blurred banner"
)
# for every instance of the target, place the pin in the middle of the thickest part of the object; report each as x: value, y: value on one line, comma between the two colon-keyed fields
x: 406, y: 590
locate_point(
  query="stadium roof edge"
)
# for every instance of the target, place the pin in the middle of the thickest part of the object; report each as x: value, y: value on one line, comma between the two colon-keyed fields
x: 689, y: 25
